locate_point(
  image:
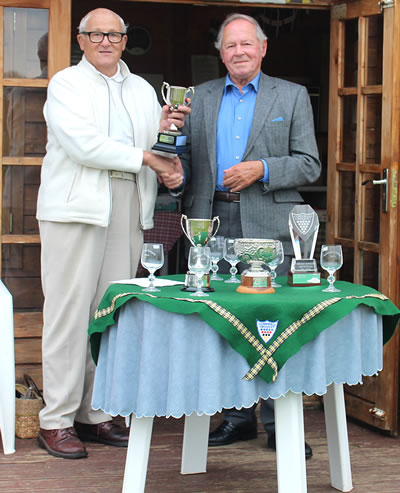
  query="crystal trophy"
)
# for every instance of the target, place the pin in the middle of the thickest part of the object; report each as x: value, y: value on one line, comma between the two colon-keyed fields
x: 303, y: 227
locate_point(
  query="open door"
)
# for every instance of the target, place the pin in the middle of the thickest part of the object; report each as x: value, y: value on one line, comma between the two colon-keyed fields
x: 27, y: 63
x: 363, y: 150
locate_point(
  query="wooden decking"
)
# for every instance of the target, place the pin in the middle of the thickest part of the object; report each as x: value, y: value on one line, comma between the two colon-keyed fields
x: 239, y: 468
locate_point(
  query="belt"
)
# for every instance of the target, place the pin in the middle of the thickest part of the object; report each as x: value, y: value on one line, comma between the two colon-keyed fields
x: 123, y: 175
x: 227, y: 196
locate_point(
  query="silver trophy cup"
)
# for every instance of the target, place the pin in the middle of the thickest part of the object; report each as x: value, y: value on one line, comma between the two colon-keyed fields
x: 199, y: 231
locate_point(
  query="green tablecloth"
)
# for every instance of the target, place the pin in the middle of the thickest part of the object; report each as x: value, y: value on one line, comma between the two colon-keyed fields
x: 301, y: 313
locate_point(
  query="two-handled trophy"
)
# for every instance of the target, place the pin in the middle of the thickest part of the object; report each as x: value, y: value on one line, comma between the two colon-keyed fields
x: 172, y: 139
x: 303, y: 227
x: 199, y: 232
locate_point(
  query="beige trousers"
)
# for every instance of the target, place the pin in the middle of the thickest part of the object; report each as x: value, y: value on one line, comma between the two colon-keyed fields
x: 78, y: 262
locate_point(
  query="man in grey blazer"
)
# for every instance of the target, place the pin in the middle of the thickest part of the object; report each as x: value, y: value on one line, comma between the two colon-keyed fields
x: 250, y: 142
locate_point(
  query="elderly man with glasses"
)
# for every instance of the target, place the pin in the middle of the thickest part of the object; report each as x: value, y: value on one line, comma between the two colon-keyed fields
x: 97, y: 195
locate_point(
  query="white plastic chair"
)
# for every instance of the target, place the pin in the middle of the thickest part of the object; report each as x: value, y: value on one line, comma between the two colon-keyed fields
x: 7, y: 371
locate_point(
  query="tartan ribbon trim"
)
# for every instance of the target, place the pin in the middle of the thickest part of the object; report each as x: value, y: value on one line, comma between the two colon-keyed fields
x: 266, y: 354
x: 221, y: 311
x: 266, y: 358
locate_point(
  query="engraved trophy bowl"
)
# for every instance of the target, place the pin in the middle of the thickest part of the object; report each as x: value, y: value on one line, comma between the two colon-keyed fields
x: 256, y: 252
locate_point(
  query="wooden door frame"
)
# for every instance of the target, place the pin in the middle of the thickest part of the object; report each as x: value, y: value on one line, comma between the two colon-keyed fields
x: 388, y: 251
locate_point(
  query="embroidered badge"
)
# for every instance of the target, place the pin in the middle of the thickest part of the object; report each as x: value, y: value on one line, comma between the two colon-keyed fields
x: 267, y: 329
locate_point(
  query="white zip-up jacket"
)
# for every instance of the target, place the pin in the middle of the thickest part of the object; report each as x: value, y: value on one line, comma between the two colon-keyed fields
x: 75, y: 183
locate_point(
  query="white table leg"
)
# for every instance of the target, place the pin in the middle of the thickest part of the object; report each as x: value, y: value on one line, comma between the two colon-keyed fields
x: 137, y: 455
x: 290, y: 455
x: 7, y: 372
x: 195, y: 444
x: 338, y: 442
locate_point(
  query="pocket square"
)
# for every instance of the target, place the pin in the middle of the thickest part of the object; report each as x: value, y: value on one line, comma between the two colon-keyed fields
x: 279, y: 119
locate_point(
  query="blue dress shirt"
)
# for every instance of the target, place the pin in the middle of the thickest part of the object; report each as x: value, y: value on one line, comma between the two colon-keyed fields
x: 233, y: 126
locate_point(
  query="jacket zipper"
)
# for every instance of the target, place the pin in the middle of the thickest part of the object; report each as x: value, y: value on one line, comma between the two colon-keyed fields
x: 133, y: 144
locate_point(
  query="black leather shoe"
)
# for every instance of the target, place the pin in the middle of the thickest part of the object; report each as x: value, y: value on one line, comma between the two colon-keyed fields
x: 271, y: 443
x: 106, y: 432
x: 228, y: 432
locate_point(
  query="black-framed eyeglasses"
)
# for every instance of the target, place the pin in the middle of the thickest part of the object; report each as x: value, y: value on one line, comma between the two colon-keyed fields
x: 97, y: 37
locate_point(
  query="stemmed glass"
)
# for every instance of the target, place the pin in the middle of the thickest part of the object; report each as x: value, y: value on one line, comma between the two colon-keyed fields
x: 231, y: 257
x: 152, y: 259
x: 199, y: 263
x: 216, y: 245
x: 331, y: 260
x: 280, y: 256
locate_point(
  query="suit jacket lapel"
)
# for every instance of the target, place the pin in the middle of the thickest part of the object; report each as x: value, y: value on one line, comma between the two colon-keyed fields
x: 211, y: 104
x: 266, y: 97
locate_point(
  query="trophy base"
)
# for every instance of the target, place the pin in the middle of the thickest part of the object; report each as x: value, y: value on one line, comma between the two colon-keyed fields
x: 172, y: 142
x: 255, y: 284
x: 193, y: 290
x: 304, y: 279
x: 248, y: 290
x: 190, y: 283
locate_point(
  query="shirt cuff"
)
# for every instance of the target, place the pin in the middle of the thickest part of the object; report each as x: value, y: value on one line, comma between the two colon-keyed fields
x: 265, y: 179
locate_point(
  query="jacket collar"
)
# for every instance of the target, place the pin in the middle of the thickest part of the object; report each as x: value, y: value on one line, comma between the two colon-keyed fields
x: 91, y: 70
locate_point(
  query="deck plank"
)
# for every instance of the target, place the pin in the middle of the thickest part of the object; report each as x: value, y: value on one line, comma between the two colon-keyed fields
x: 238, y: 468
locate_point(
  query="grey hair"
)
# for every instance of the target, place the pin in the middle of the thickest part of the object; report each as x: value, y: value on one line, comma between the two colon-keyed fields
x: 233, y: 17
x: 84, y: 22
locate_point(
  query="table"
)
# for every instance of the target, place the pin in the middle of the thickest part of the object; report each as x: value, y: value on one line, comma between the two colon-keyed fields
x: 176, y: 364
x: 7, y: 372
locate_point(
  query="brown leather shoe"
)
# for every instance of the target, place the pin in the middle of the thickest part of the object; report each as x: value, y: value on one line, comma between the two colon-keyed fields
x: 62, y: 443
x: 108, y: 433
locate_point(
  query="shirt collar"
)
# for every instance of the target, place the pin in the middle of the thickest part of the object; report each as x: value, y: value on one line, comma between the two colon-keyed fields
x: 254, y: 83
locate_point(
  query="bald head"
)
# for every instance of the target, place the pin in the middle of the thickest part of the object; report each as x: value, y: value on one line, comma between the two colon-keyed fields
x: 102, y: 12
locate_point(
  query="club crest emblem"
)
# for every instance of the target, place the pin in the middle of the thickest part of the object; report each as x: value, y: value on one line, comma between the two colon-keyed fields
x: 267, y: 329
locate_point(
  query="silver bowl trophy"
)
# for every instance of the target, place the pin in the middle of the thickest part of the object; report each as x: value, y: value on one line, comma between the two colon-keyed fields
x: 198, y: 232
x: 303, y: 227
x: 172, y: 140
x: 256, y: 252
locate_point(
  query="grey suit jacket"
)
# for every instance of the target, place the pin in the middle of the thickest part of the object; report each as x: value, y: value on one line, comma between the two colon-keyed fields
x: 282, y: 133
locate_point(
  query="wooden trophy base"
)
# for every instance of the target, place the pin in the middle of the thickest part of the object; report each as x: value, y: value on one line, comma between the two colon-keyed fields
x: 255, y: 285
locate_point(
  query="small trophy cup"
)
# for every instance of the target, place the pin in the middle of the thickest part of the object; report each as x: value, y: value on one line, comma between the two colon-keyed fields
x: 198, y: 232
x: 256, y: 252
x: 303, y: 226
x: 172, y: 140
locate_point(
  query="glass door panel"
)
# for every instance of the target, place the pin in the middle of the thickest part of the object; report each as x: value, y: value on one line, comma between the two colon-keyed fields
x: 25, y: 43
x: 370, y: 269
x: 375, y: 50
x: 349, y: 129
x: 346, y: 214
x: 371, y: 207
x: 373, y: 130
x: 25, y: 131
x: 351, y: 53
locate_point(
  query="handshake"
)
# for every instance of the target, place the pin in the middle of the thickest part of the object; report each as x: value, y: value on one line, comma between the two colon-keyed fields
x: 169, y: 170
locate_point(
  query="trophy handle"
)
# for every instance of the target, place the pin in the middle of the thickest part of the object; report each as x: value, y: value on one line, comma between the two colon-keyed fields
x: 165, y: 93
x: 184, y: 227
x: 215, y: 220
x: 189, y: 90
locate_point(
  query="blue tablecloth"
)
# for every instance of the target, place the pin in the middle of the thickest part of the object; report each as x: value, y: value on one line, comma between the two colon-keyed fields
x: 156, y: 363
